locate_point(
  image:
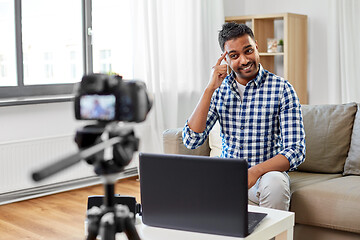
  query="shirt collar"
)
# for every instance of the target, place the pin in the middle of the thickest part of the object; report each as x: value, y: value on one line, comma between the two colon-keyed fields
x: 257, y: 80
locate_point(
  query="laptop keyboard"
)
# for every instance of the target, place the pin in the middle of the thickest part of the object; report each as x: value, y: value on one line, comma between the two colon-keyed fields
x: 254, y: 219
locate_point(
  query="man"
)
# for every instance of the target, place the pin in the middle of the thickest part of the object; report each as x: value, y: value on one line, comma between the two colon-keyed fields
x: 259, y: 115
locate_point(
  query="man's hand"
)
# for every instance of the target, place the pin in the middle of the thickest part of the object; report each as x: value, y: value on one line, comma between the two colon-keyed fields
x: 218, y: 73
x: 253, y: 176
x: 197, y: 120
x: 278, y: 163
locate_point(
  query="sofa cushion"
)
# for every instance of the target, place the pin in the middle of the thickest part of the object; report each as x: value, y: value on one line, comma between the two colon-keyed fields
x: 328, y: 132
x: 302, y: 179
x: 331, y: 204
x: 352, y: 163
x: 307, y: 232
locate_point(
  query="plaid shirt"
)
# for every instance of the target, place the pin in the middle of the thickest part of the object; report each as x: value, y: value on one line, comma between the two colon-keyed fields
x: 267, y: 122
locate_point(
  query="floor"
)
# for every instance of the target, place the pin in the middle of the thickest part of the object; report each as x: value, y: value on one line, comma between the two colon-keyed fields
x: 57, y: 216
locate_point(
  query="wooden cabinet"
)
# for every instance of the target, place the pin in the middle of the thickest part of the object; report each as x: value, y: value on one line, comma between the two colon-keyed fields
x: 291, y: 63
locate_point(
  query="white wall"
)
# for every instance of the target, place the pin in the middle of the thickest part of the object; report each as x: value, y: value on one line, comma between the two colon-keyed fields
x: 36, y: 121
x: 317, y: 12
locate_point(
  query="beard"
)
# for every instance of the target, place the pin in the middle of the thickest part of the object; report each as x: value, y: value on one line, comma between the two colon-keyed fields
x: 248, y: 71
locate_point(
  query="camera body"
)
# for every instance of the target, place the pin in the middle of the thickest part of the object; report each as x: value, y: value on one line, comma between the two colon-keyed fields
x: 107, y: 98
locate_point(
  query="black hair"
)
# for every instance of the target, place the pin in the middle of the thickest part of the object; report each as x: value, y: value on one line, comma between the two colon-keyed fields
x: 233, y: 30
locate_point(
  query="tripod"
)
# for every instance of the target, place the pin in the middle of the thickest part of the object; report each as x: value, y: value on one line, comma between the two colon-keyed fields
x: 110, y: 218
x: 95, y: 143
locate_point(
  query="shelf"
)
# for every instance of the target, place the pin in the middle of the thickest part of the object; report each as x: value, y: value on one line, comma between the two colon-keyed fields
x: 271, y: 54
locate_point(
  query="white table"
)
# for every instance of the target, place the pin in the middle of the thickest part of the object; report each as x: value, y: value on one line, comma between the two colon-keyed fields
x: 278, y: 224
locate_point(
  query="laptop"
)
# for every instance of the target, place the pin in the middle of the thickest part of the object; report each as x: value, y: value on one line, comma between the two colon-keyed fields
x: 196, y: 193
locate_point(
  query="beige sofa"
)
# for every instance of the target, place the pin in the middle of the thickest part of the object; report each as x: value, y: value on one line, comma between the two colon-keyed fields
x: 326, y: 187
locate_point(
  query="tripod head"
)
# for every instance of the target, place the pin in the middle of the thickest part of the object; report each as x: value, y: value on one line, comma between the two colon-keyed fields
x: 108, y: 161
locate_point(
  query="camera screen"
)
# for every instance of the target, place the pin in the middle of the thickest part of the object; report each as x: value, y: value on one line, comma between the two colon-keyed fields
x: 97, y: 107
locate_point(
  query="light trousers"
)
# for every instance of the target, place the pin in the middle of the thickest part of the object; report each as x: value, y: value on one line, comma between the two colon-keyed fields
x: 272, y: 190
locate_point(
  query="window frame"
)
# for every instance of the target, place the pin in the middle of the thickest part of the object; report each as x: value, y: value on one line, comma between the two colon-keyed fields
x: 22, y: 91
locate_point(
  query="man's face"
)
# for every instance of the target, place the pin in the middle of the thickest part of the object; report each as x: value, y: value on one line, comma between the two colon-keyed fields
x: 243, y: 57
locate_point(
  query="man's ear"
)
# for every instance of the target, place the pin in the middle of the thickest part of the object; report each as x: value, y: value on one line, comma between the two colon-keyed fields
x: 256, y: 44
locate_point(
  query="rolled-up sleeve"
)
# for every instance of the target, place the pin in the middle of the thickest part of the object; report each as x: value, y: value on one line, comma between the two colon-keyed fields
x: 292, y: 128
x: 192, y: 139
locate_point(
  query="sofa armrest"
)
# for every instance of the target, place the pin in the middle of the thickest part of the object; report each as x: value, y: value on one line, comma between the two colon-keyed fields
x: 173, y: 144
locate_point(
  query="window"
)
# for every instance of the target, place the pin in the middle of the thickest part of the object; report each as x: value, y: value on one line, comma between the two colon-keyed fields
x: 74, y: 70
x: 112, y: 43
x: 50, y: 45
x: 7, y: 44
x: 49, y: 34
x: 2, y: 68
x: 105, y: 61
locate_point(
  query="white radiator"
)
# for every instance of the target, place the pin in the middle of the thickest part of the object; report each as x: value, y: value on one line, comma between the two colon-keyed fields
x: 19, y: 159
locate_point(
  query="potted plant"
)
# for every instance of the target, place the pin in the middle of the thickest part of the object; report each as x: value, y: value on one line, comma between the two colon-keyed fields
x: 280, y: 46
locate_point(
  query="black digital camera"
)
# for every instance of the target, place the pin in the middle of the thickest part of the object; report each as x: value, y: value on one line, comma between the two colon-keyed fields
x: 105, y: 97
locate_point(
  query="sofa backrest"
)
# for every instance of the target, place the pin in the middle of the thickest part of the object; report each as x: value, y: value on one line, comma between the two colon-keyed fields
x: 328, y: 130
x: 330, y: 139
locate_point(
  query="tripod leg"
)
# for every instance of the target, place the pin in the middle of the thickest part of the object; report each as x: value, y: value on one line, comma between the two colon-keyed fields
x: 93, y: 217
x: 130, y: 229
x: 126, y: 222
x: 109, y: 199
x: 107, y: 226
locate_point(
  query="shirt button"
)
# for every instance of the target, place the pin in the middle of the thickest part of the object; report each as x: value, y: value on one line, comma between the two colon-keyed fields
x: 242, y: 128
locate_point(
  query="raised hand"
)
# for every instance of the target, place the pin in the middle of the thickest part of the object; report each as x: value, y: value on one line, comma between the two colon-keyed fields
x: 218, y: 73
x: 197, y: 120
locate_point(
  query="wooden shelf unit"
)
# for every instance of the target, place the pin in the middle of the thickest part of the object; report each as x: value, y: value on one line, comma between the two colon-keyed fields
x: 294, y: 55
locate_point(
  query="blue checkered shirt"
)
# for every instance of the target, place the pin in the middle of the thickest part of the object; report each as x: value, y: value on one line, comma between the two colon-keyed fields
x: 267, y: 122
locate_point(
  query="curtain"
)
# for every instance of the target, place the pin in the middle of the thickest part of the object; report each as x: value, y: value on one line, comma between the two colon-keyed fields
x: 344, y: 51
x: 175, y: 48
